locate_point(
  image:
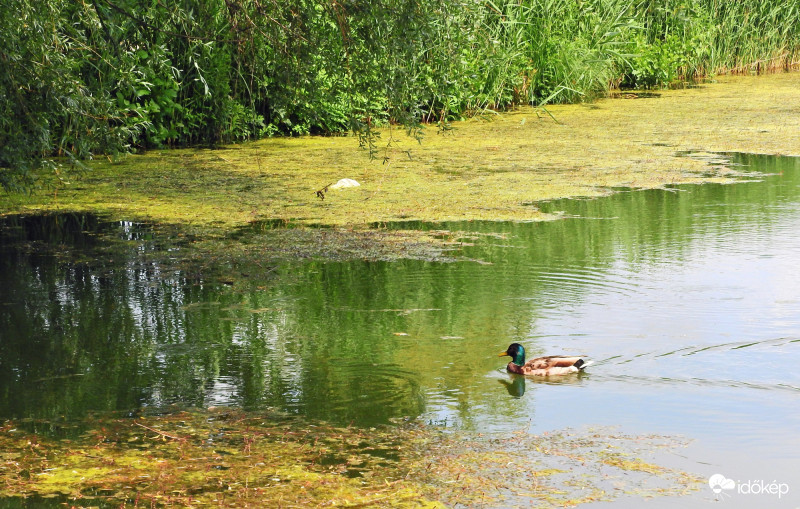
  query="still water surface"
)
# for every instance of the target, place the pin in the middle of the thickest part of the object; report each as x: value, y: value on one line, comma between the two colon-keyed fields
x: 688, y: 301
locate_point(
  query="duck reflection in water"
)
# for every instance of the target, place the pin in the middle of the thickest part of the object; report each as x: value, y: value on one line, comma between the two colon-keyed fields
x: 515, y: 386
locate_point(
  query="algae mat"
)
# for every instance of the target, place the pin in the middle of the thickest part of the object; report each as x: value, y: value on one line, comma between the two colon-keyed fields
x: 227, y: 458
x: 496, y: 167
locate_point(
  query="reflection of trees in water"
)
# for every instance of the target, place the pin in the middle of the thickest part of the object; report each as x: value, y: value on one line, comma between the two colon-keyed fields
x: 105, y: 328
x: 88, y: 323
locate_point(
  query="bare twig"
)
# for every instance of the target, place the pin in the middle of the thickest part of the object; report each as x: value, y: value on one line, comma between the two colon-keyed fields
x: 321, y: 192
x: 159, y: 432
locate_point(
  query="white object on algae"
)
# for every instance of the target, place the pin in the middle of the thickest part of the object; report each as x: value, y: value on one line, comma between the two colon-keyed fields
x: 343, y: 183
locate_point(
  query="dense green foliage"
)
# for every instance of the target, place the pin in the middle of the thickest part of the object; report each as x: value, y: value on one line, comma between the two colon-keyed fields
x: 101, y: 77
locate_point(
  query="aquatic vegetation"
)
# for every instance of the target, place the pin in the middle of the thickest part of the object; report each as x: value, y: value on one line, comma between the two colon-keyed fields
x: 495, y: 169
x: 221, y: 458
x: 226, y: 209
x: 228, y: 458
x: 557, y: 469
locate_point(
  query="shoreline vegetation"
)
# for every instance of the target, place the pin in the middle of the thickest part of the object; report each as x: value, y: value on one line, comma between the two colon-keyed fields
x: 109, y: 77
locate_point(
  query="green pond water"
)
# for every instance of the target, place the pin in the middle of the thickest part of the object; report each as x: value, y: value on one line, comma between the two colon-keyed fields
x: 686, y: 299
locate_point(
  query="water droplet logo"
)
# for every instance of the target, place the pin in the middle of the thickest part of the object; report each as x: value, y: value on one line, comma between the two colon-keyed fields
x: 719, y: 482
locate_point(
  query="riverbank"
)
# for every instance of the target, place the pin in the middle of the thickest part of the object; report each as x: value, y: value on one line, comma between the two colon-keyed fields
x: 129, y: 371
x: 491, y: 168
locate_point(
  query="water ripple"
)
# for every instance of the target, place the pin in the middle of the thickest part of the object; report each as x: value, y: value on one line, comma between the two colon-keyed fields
x: 698, y: 381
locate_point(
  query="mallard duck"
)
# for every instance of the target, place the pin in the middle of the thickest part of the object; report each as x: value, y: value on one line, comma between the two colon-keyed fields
x: 541, y: 366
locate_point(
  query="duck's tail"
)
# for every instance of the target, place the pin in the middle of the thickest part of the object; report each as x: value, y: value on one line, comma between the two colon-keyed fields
x: 582, y: 364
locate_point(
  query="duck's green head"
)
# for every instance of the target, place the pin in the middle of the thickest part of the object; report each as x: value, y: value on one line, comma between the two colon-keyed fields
x: 516, y: 352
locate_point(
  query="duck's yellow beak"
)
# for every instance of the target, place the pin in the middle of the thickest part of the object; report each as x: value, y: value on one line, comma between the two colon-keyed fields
x: 503, y: 354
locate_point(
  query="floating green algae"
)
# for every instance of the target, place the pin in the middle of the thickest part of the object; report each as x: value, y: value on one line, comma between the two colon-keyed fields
x: 221, y: 458
x: 228, y: 458
x: 495, y: 169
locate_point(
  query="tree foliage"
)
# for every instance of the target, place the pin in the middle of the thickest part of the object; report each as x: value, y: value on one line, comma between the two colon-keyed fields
x: 108, y: 76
